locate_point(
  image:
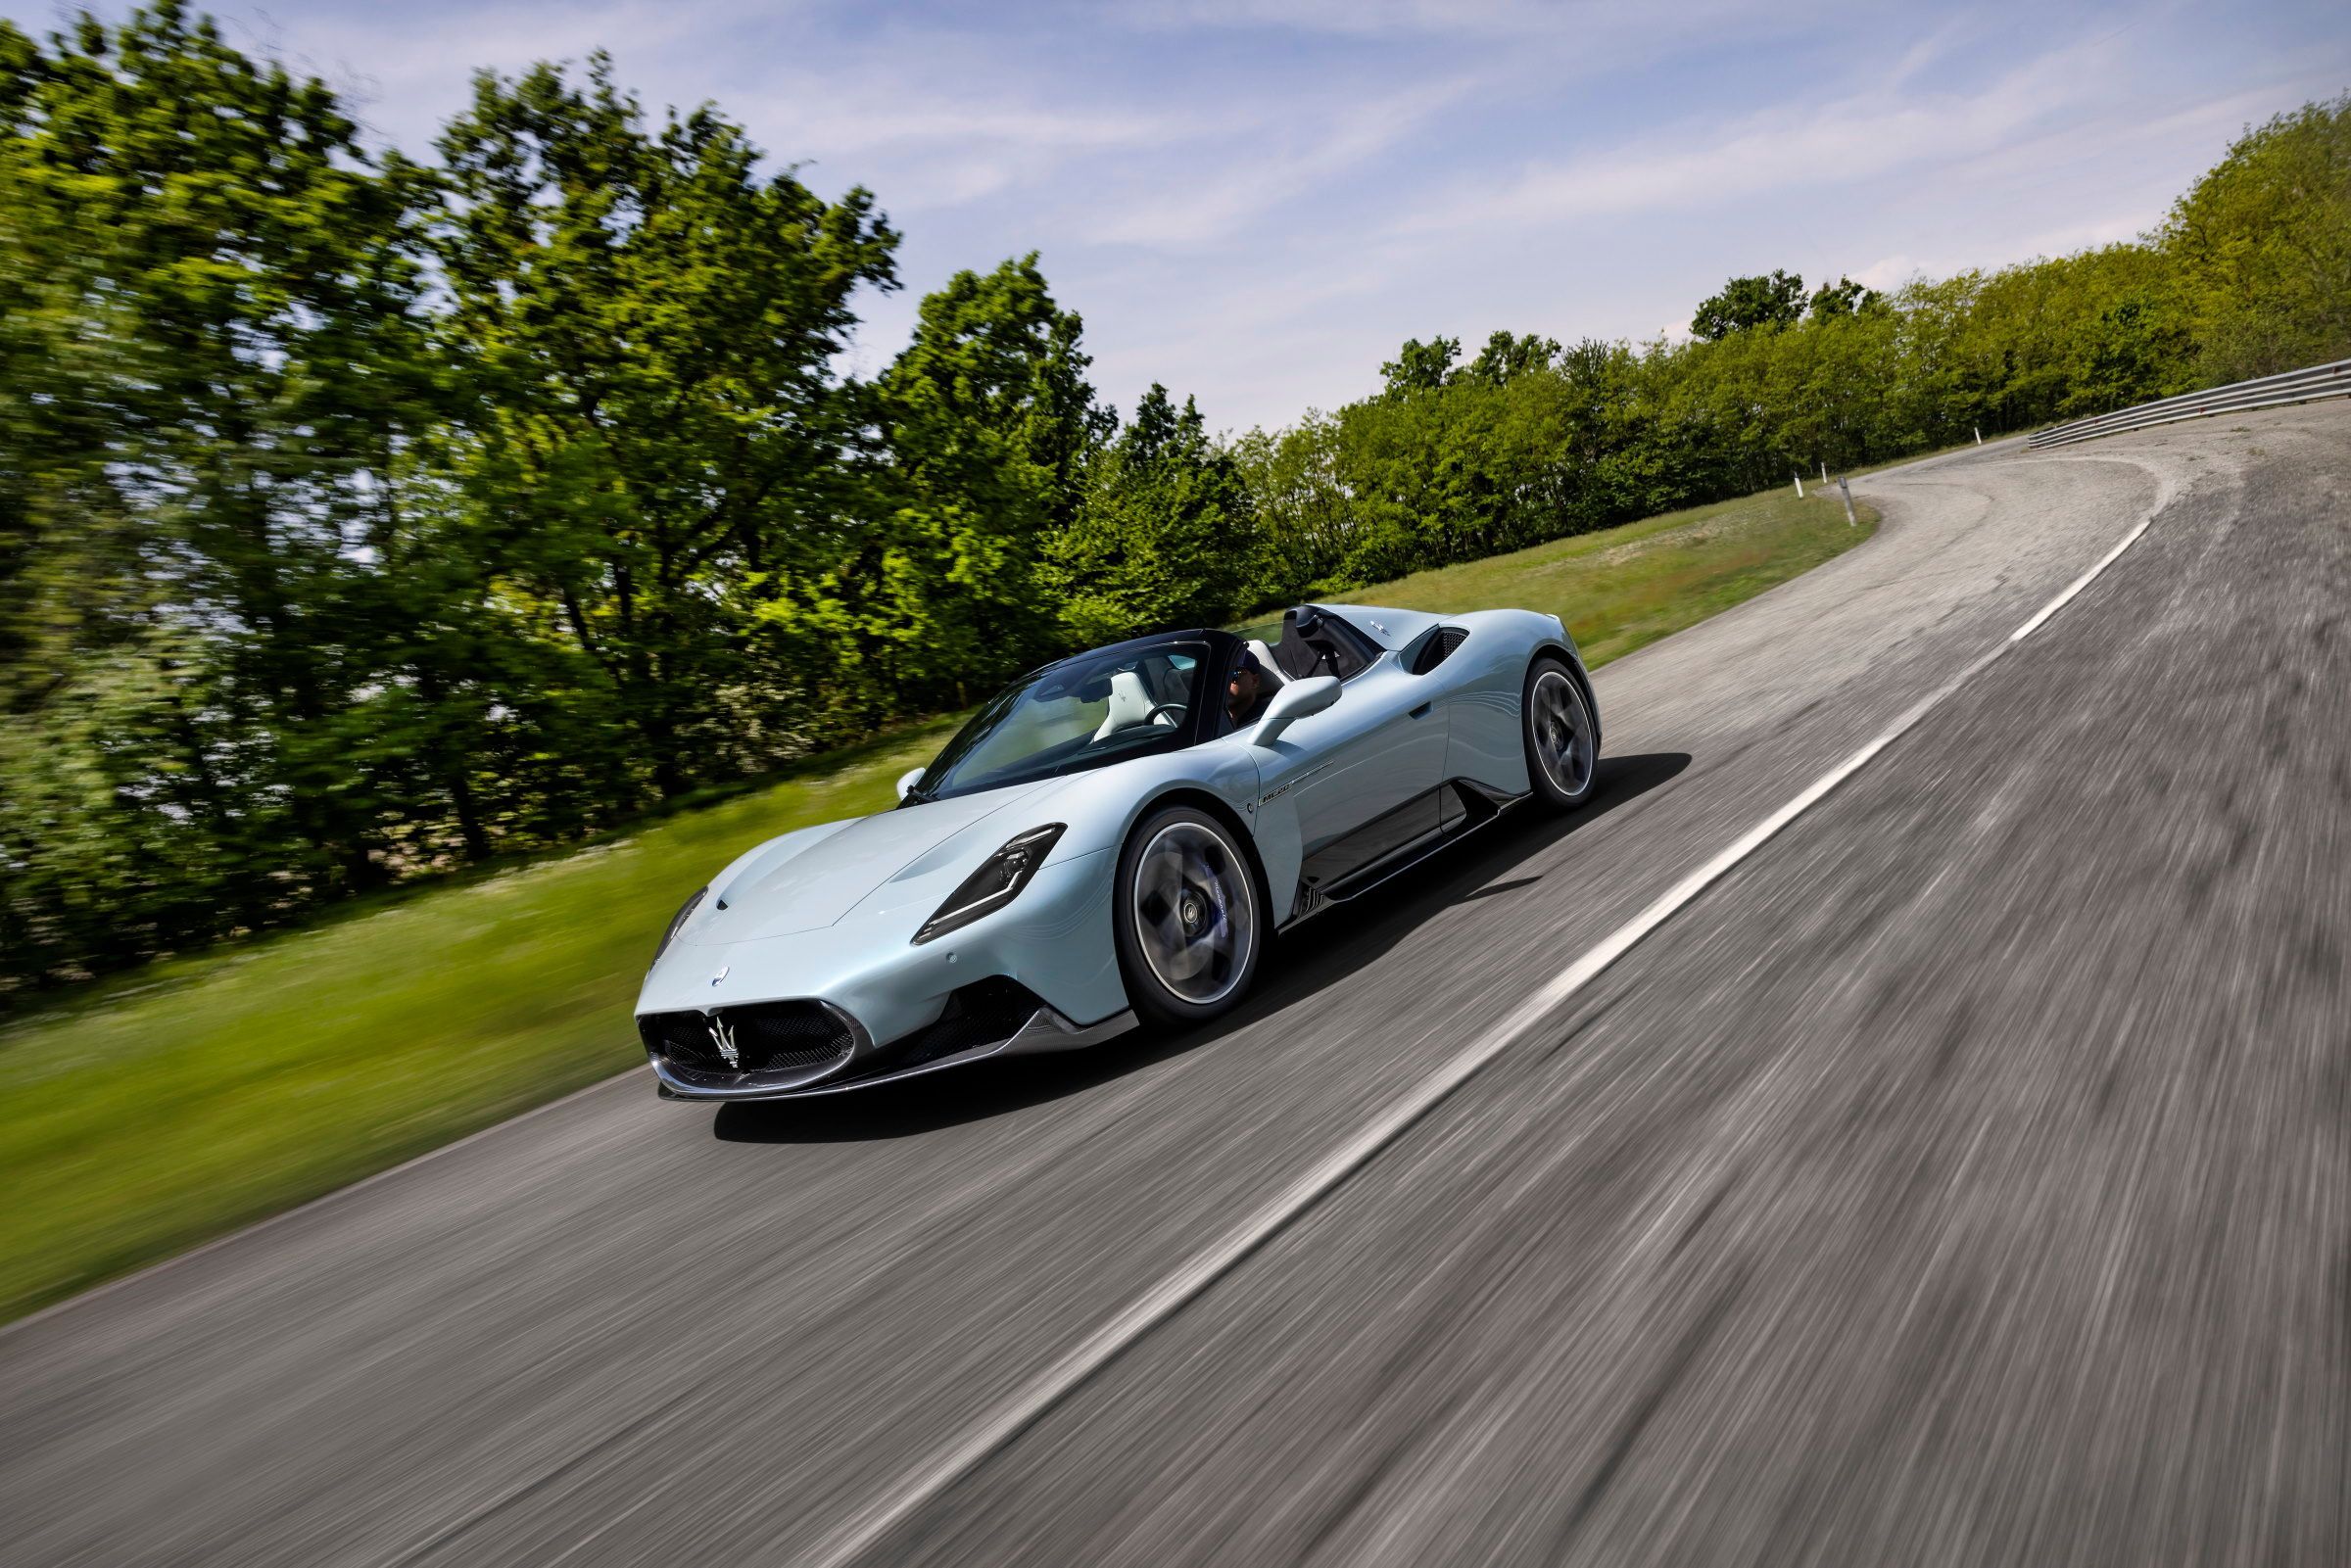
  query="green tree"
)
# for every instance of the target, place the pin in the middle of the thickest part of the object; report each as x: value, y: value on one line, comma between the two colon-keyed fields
x: 1844, y: 297
x: 1508, y: 356
x: 214, y: 355
x: 1773, y: 300
x: 990, y: 428
x: 1613, y: 466
x: 643, y: 327
x: 2260, y: 248
x: 1166, y: 538
x: 1305, y: 512
x: 1420, y: 366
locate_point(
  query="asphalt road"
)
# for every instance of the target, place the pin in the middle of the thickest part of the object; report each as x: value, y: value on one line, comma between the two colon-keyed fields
x: 1963, y: 1177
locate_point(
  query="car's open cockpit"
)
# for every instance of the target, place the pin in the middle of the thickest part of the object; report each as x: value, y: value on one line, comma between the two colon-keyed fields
x: 1154, y: 693
x: 1150, y: 695
x: 1154, y: 690
x: 1314, y: 641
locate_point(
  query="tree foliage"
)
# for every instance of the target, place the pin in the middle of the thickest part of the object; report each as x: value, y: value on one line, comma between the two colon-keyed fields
x: 214, y: 355
x: 1420, y: 366
x: 649, y: 447
x: 1164, y: 538
x: 1844, y: 297
x: 990, y: 426
x: 361, y: 518
x: 2259, y: 250
x: 1773, y: 300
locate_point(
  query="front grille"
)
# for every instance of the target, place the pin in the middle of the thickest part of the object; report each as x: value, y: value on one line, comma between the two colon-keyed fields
x: 768, y: 1037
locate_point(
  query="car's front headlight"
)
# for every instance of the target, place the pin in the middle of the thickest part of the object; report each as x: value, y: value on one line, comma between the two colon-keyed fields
x: 998, y: 883
x: 678, y: 921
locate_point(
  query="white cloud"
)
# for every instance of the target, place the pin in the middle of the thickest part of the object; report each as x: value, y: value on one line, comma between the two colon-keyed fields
x: 1361, y: 18
x: 1888, y: 273
x: 1586, y: 24
x: 405, y: 76
x: 1209, y: 206
x: 1781, y: 149
x: 924, y: 148
x: 2126, y: 170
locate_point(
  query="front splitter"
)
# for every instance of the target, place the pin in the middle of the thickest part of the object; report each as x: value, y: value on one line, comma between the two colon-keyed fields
x: 1045, y: 1032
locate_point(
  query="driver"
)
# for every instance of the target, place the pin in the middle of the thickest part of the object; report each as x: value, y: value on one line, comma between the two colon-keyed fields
x: 1247, y: 692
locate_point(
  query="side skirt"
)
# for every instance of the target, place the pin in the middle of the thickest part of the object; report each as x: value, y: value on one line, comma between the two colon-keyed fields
x: 1462, y: 808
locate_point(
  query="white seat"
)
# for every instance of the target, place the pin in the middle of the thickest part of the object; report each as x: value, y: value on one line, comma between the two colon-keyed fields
x: 1129, y: 706
x: 1264, y: 662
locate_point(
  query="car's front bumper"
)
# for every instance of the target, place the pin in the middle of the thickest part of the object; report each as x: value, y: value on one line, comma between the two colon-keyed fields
x: 1052, y: 948
x: 1046, y: 1031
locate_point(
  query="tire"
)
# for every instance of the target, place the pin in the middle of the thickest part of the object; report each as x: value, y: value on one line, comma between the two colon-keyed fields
x: 1562, y: 733
x: 1189, y: 914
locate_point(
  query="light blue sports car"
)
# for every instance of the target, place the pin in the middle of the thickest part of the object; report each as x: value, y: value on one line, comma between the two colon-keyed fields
x: 1114, y: 839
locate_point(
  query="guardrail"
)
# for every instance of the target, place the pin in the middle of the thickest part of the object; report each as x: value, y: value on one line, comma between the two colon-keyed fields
x: 2270, y: 392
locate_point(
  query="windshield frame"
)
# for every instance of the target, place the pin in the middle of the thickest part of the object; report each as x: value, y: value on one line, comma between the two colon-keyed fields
x: 1214, y: 650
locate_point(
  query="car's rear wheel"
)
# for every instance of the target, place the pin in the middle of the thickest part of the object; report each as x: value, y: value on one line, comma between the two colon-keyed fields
x: 1188, y: 916
x: 1563, y: 736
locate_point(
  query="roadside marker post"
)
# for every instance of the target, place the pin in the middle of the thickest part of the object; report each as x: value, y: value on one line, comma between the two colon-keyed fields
x: 1847, y: 491
x: 1800, y: 487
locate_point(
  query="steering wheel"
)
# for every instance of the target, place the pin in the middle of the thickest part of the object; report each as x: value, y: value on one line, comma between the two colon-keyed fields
x: 1175, y: 710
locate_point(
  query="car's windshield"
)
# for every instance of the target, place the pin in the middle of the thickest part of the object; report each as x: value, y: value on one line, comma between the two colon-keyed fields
x: 1079, y: 714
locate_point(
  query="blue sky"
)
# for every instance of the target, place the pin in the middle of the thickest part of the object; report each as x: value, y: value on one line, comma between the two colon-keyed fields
x: 1255, y: 201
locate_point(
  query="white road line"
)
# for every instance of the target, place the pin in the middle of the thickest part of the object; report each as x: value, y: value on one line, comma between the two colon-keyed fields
x: 2085, y: 579
x: 960, y: 1457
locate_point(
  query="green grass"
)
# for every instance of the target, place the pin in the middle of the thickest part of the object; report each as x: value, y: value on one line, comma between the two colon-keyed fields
x: 1622, y: 588
x: 219, y: 1089
x: 144, y: 1116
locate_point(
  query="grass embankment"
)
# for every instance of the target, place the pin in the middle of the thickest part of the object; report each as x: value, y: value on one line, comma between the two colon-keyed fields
x: 1622, y: 588
x: 202, y: 1095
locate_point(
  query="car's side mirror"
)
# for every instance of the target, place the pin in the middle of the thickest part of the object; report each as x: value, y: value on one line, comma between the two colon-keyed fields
x: 908, y: 781
x: 1294, y: 702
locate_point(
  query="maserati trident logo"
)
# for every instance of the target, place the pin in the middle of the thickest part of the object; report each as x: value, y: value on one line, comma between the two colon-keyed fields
x: 722, y: 1036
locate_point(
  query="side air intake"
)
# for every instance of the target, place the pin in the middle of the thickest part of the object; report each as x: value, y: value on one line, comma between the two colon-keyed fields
x: 1438, y: 647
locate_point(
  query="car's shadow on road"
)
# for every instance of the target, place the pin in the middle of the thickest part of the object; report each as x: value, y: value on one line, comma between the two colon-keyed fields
x: 1323, y: 953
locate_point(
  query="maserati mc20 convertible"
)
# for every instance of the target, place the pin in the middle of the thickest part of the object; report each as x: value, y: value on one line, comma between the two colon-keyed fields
x: 1114, y: 840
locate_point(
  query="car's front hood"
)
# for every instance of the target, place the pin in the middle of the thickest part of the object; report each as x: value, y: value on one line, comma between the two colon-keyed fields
x: 801, y: 885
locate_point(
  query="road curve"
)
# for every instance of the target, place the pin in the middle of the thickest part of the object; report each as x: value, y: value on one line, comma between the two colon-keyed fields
x: 1965, y: 1176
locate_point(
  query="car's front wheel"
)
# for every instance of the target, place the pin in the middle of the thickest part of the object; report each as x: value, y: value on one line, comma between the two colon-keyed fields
x: 1189, y: 921
x: 1563, y: 736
